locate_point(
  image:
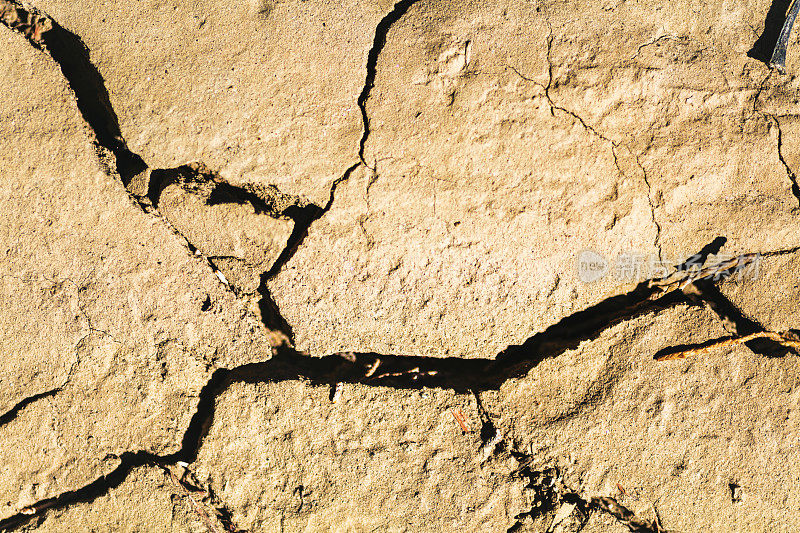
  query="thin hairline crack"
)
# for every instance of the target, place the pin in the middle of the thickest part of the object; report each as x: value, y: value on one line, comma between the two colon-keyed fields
x: 615, y: 145
x: 794, y: 183
x: 401, y: 372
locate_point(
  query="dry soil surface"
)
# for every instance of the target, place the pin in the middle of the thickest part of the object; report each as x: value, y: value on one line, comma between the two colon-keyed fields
x: 431, y: 265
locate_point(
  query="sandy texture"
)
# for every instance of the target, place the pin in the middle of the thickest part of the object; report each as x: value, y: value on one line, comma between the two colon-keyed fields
x: 482, y: 187
x: 267, y: 89
x: 102, y: 305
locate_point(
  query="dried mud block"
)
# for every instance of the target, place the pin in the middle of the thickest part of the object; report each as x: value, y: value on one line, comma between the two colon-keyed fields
x: 103, y: 308
x: 241, y: 242
x: 263, y: 92
x: 284, y: 456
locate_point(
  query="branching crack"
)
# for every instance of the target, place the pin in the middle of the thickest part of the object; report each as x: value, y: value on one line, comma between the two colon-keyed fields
x: 550, y: 491
x: 615, y: 145
x: 372, y: 369
x: 381, y: 31
x: 303, y: 218
x: 144, y: 185
x: 403, y: 372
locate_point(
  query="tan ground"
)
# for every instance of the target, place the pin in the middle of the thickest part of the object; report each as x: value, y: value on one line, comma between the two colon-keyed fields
x: 202, y: 202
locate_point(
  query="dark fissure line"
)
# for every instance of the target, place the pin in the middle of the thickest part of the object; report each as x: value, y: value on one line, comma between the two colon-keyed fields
x: 789, y: 172
x: 12, y: 413
x: 735, y: 322
x: 302, y: 222
x: 395, y: 371
x: 94, y: 104
x: 87, y: 84
x: 381, y: 32
x: 91, y: 95
x: 399, y: 372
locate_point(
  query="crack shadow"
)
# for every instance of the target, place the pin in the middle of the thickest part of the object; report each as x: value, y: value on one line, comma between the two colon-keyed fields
x: 225, y: 193
x: 735, y: 321
x: 372, y: 369
x: 303, y: 217
x: 12, y: 413
x: 87, y: 84
x: 381, y: 32
x: 400, y: 372
x: 271, y: 316
x: 763, y: 47
x: 701, y: 257
x: 91, y: 95
x: 679, y: 351
x: 196, y: 179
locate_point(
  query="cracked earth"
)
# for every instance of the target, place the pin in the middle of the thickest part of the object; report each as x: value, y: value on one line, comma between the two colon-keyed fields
x: 305, y: 266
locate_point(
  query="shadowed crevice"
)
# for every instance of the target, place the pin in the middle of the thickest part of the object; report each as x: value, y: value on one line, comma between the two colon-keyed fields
x: 86, y: 494
x: 762, y: 49
x: 372, y: 369
x: 270, y: 313
x: 303, y: 218
x: 735, y: 321
x: 400, y: 372
x: 86, y: 82
x: 12, y: 413
x: 381, y: 32
x: 91, y: 95
x: 701, y: 257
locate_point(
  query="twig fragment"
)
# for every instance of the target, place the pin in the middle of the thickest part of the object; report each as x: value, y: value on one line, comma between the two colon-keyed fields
x: 29, y: 23
x: 681, y: 278
x: 788, y: 339
x: 459, y: 416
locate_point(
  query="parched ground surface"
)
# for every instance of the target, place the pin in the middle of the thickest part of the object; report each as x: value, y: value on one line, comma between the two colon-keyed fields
x: 414, y: 266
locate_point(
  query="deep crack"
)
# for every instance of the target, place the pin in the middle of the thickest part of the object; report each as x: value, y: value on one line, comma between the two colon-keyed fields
x: 381, y: 32
x: 144, y: 185
x: 86, y: 82
x: 400, y: 372
x: 12, y: 413
x: 303, y: 218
